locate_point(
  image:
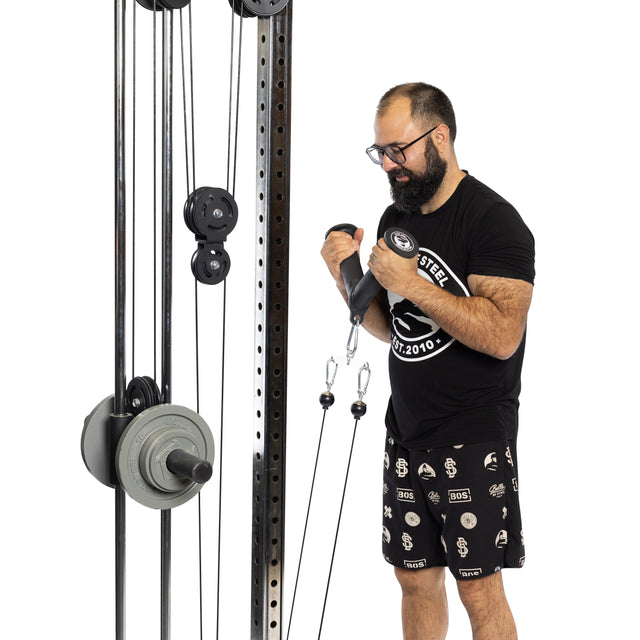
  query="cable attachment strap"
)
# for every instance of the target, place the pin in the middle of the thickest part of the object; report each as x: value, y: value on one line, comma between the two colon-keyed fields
x: 211, y: 214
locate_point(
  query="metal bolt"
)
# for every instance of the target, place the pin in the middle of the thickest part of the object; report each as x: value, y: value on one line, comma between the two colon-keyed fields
x: 215, y: 265
x: 218, y: 213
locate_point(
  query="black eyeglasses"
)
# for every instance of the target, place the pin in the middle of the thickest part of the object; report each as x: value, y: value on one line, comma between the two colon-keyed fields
x: 393, y: 151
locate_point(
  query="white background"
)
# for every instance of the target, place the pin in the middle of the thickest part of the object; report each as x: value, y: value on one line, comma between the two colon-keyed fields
x: 547, y: 108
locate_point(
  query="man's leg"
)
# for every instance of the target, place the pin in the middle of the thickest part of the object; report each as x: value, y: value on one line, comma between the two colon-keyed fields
x: 488, y: 609
x: 425, y: 613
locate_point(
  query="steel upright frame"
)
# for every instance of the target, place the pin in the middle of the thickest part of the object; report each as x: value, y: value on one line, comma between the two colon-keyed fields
x: 271, y: 313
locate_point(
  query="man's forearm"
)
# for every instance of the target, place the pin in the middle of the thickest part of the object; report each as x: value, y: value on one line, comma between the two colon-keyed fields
x: 488, y: 322
x: 376, y: 319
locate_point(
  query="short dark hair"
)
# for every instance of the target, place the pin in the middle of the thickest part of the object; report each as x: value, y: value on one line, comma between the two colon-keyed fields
x: 427, y: 103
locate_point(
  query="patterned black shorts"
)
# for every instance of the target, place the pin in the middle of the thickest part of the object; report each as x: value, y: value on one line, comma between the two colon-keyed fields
x: 452, y: 506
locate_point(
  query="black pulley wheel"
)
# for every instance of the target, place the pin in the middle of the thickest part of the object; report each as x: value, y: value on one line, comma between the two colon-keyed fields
x: 142, y: 393
x: 164, y: 4
x: 255, y: 8
x: 211, y: 213
x: 210, y: 266
x: 240, y: 9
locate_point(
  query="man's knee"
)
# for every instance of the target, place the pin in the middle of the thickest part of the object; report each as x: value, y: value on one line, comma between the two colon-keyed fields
x: 422, y: 582
x: 482, y: 592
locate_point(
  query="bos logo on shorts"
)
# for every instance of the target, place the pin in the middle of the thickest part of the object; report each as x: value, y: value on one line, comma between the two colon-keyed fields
x: 415, y: 564
x: 405, y: 495
x: 459, y: 495
x: 414, y: 336
x: 470, y: 573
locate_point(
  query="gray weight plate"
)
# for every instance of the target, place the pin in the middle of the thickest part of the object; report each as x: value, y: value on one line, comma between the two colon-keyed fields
x: 94, y: 442
x: 142, y: 453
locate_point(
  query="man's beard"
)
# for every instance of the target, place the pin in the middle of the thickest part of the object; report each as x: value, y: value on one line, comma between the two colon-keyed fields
x: 420, y: 188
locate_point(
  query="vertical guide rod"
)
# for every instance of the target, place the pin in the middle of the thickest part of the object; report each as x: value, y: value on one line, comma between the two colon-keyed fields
x: 272, y: 284
x: 167, y: 239
x: 120, y: 291
x: 167, y: 198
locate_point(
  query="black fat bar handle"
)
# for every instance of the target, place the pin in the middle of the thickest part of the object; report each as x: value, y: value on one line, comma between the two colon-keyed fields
x: 349, y: 267
x: 362, y: 289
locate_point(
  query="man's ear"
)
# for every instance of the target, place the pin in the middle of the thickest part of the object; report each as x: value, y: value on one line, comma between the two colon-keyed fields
x: 441, y: 136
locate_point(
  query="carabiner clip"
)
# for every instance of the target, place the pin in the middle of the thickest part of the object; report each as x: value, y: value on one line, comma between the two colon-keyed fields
x: 332, y: 369
x: 352, y: 343
x: 364, y: 375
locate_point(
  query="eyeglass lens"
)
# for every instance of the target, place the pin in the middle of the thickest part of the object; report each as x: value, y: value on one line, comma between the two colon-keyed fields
x: 392, y: 152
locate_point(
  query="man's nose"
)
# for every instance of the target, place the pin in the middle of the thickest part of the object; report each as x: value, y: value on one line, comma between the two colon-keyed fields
x: 388, y: 164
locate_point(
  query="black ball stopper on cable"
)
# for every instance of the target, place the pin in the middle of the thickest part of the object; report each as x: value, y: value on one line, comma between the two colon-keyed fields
x: 327, y: 399
x: 358, y: 409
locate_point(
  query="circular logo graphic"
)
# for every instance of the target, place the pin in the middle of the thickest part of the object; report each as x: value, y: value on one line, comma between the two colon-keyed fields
x: 412, y: 519
x: 416, y: 337
x: 403, y: 241
x: 468, y: 520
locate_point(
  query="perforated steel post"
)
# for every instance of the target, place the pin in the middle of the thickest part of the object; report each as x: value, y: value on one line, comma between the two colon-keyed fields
x: 272, y: 280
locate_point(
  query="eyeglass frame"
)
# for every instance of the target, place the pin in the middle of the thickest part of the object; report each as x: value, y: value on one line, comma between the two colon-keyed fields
x: 385, y: 149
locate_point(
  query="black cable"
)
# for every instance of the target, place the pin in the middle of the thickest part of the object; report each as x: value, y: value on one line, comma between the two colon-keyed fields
x: 190, y: 187
x: 231, y: 189
x: 193, y: 139
x: 155, y: 195
x: 133, y: 208
x: 335, y: 542
x: 306, y: 522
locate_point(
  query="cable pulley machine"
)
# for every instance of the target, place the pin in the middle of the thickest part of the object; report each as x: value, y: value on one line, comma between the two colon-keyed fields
x: 137, y: 441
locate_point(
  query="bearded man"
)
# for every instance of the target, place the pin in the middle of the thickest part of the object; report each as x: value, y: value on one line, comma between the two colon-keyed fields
x: 455, y: 318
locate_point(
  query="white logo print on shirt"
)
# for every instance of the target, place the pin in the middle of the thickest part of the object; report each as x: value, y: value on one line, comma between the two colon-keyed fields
x: 414, y: 336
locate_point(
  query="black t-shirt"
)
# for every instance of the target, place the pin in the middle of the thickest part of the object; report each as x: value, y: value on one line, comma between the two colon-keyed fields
x: 442, y: 392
